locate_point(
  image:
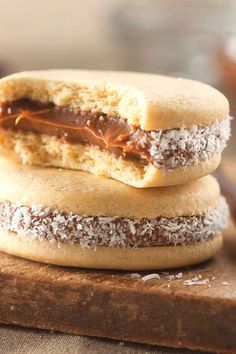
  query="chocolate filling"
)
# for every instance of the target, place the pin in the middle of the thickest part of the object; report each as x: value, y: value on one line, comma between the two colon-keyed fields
x: 46, y: 224
x: 171, y: 148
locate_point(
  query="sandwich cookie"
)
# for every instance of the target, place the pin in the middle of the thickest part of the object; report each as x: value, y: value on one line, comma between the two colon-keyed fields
x: 144, y: 130
x: 73, y: 218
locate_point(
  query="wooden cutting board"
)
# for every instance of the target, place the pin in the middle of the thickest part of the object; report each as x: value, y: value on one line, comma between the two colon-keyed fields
x: 192, y: 308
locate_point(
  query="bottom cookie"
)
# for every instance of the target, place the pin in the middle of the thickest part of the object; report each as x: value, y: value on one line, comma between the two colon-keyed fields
x: 144, y: 258
x: 76, y: 219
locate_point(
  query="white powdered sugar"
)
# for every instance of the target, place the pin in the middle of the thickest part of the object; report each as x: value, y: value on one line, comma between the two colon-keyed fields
x: 46, y: 224
x: 183, y: 147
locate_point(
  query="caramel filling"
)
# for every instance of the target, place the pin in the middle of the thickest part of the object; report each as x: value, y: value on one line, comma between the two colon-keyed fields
x: 72, y: 125
x: 171, y: 148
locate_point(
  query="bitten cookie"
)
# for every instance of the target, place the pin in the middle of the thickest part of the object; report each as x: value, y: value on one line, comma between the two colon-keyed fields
x: 73, y: 218
x: 144, y: 130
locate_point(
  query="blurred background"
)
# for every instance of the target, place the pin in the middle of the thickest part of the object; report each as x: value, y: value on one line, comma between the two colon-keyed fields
x: 188, y: 38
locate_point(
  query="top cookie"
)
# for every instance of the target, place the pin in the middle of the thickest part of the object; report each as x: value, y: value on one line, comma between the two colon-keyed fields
x: 144, y: 130
x: 151, y: 102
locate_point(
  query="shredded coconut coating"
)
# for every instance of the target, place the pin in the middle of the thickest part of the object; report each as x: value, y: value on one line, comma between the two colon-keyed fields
x: 46, y: 224
x: 184, y: 147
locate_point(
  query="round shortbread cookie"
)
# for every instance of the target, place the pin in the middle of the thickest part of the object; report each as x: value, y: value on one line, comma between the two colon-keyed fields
x: 144, y: 130
x: 87, y: 195
x: 108, y: 257
x: 73, y: 218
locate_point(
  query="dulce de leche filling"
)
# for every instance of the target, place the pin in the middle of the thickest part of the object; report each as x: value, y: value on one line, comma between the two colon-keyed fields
x: 72, y: 125
x: 171, y: 148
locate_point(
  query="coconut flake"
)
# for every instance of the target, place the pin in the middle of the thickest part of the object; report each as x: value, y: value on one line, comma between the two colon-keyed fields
x: 175, y: 148
x: 151, y: 276
x: 134, y: 275
x: 197, y: 280
x: 46, y: 224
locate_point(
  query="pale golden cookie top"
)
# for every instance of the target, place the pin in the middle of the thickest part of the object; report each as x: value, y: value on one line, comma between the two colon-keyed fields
x: 87, y: 195
x: 150, y: 101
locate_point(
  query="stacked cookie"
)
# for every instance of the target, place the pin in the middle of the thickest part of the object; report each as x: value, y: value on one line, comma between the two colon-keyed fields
x: 109, y: 169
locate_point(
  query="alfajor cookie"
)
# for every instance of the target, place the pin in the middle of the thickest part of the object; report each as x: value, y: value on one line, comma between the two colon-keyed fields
x: 144, y: 130
x: 73, y: 218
